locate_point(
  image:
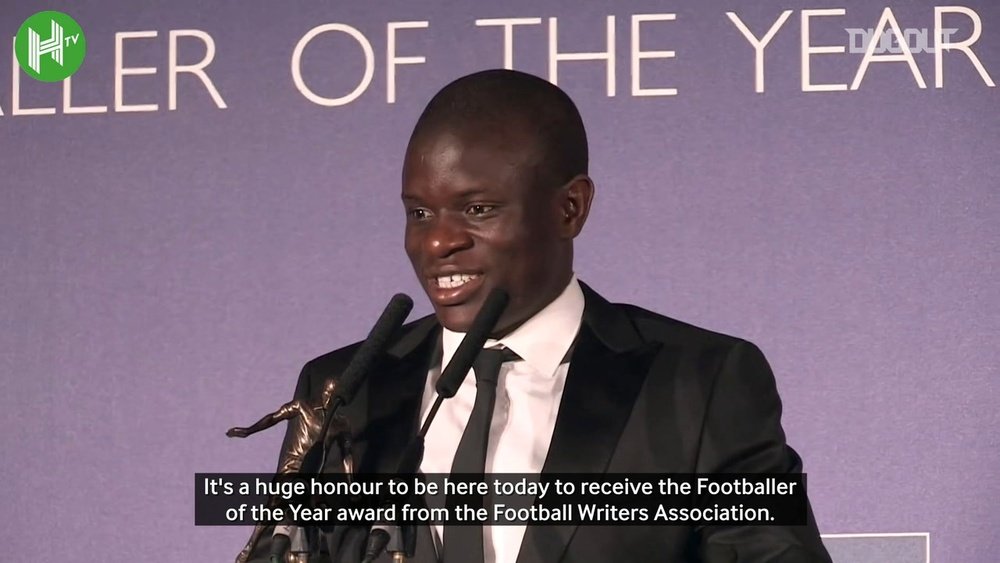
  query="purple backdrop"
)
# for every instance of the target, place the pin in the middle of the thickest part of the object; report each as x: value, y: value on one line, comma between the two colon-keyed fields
x: 167, y: 272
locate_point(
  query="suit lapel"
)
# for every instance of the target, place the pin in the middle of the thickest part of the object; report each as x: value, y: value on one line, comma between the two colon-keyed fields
x: 608, y: 366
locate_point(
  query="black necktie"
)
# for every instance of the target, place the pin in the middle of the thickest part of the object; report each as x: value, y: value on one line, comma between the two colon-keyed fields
x: 464, y: 544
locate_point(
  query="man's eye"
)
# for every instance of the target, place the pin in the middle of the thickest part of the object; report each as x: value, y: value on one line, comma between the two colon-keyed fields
x: 479, y: 209
x: 417, y: 213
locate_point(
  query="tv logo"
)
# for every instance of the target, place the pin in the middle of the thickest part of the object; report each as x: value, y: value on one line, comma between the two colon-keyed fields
x: 65, y: 46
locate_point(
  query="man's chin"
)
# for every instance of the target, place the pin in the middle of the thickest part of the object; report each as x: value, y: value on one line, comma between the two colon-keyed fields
x: 460, y: 317
x: 457, y: 318
x: 461, y: 320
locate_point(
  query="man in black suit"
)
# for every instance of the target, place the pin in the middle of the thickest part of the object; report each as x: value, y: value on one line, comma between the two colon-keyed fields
x: 495, y: 189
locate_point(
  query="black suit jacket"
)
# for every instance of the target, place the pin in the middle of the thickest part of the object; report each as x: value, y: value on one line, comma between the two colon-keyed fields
x: 644, y: 394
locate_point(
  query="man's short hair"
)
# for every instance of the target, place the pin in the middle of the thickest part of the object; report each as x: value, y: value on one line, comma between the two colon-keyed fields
x: 499, y: 98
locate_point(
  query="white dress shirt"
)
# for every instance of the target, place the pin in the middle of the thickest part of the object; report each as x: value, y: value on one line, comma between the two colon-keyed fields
x: 528, y: 396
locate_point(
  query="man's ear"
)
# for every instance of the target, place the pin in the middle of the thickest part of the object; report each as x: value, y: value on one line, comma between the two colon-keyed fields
x: 575, y: 198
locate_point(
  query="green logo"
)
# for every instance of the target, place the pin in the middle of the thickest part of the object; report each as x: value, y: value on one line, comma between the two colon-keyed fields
x: 50, y: 46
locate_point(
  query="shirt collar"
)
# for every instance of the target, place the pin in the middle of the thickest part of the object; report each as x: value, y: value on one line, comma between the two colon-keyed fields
x: 543, y: 340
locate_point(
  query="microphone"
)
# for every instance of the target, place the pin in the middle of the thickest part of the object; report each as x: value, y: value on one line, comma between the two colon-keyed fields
x: 350, y: 381
x: 280, y: 544
x: 357, y: 370
x: 287, y: 538
x: 378, y: 539
x: 400, y: 541
x: 484, y: 323
x: 385, y: 328
x: 394, y: 538
x: 456, y: 371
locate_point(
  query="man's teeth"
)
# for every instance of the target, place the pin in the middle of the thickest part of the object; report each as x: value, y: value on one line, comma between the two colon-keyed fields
x: 457, y: 280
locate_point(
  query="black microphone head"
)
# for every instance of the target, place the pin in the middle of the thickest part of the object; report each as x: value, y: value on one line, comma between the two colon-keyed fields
x: 453, y: 375
x: 400, y: 305
x: 385, y: 328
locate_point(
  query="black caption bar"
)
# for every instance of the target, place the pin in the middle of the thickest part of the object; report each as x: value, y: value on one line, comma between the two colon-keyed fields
x: 501, y: 499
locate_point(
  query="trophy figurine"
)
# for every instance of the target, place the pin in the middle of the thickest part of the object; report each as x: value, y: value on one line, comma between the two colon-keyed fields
x: 307, y: 422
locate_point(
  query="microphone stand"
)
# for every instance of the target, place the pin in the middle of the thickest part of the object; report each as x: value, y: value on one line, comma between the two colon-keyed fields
x: 290, y: 543
x: 400, y: 540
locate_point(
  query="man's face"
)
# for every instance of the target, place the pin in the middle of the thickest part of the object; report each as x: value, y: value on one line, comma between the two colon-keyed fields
x: 476, y: 219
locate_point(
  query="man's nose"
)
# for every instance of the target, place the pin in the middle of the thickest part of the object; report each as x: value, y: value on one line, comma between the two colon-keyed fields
x: 447, y: 236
